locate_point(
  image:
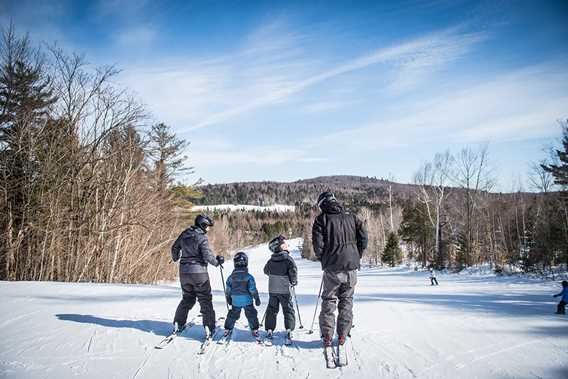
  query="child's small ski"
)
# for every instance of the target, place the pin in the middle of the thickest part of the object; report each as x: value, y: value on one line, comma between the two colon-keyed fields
x: 269, y: 339
x: 225, y: 338
x: 257, y: 336
x: 330, y: 357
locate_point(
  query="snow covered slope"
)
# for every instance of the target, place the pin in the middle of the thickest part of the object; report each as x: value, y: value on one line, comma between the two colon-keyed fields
x: 468, y: 327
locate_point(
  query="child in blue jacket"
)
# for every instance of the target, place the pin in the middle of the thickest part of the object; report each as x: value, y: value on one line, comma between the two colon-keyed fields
x: 561, y: 309
x: 240, y: 292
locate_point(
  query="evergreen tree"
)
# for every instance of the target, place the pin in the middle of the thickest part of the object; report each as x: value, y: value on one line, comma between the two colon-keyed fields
x: 392, y: 254
x: 167, y: 151
x: 25, y: 98
x: 560, y: 170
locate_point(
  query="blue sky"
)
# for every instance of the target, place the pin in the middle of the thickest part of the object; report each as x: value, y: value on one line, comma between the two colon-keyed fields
x: 289, y: 90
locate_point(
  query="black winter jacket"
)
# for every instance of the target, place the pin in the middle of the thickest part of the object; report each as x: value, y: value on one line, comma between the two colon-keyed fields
x: 193, y: 251
x: 282, y: 272
x: 339, y: 238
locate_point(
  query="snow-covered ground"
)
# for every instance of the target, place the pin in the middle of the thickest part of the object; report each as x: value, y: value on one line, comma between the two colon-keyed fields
x: 468, y: 327
x: 281, y: 208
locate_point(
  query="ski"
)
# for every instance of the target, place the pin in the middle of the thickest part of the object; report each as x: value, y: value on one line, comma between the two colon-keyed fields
x: 288, y: 341
x: 268, y: 340
x: 225, y: 338
x: 205, y: 344
x: 341, y: 355
x: 330, y: 358
x: 168, y: 339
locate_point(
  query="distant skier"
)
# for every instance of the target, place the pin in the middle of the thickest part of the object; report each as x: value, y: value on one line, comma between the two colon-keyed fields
x: 192, y: 249
x: 240, y: 292
x: 561, y: 308
x: 433, y: 280
x: 282, y: 273
x: 339, y: 240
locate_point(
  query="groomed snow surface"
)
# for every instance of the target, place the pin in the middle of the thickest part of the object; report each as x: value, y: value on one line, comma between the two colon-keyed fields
x: 467, y: 327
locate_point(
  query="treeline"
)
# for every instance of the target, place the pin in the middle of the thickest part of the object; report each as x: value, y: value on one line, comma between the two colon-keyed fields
x: 448, y: 218
x: 86, y: 185
x: 355, y: 190
x: 466, y: 224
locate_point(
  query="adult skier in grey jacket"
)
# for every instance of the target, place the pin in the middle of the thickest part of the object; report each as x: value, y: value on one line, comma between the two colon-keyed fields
x: 339, y: 240
x: 192, y: 250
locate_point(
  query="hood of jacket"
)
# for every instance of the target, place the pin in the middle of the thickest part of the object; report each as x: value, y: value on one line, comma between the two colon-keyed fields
x: 193, y: 229
x: 280, y: 256
x: 331, y: 207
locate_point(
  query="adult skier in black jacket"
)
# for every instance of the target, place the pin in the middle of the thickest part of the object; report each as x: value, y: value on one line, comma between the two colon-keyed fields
x: 192, y: 249
x: 339, y: 240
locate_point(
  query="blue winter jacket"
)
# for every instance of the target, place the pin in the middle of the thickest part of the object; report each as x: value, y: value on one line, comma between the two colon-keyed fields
x: 241, y: 288
x: 564, y: 294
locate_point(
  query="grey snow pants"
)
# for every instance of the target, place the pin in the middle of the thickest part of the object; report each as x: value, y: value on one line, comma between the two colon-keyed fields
x: 337, y: 286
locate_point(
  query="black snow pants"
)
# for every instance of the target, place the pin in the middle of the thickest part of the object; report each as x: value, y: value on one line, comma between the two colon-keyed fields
x: 433, y: 281
x: 561, y: 308
x: 235, y: 313
x: 196, y: 286
x: 284, y: 300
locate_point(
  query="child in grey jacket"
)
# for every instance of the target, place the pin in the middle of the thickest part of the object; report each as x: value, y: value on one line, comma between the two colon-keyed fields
x: 282, y: 273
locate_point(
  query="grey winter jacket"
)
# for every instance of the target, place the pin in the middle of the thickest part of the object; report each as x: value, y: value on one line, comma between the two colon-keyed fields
x: 339, y: 238
x: 282, y: 272
x: 192, y: 249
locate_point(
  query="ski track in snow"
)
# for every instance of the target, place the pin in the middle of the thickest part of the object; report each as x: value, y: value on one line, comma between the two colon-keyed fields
x: 470, y: 326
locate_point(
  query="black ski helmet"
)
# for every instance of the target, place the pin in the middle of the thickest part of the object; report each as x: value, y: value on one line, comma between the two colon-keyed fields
x: 565, y: 283
x: 326, y: 196
x: 275, y: 243
x: 240, y: 259
x: 202, y: 222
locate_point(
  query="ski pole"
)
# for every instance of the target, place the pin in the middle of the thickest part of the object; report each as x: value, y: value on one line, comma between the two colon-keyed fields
x: 297, y: 307
x: 263, y: 317
x: 224, y: 289
x: 317, y: 303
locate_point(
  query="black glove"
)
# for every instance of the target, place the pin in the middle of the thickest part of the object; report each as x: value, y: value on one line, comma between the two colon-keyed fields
x: 257, y: 301
x: 220, y: 259
x: 229, y: 300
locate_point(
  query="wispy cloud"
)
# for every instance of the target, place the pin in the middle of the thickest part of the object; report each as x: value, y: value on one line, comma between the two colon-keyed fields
x: 275, y: 65
x: 520, y: 105
x: 140, y: 35
x: 261, y: 157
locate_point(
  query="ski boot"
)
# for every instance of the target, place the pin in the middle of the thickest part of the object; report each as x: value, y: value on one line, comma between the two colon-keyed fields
x: 341, y: 352
x: 269, y: 336
x: 329, y: 353
x: 288, y: 340
x: 178, y: 327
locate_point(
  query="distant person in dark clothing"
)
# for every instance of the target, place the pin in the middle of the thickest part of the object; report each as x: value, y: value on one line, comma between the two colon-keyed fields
x: 339, y: 240
x: 282, y: 274
x: 561, y: 308
x: 433, y: 280
x: 192, y: 250
x: 240, y: 292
